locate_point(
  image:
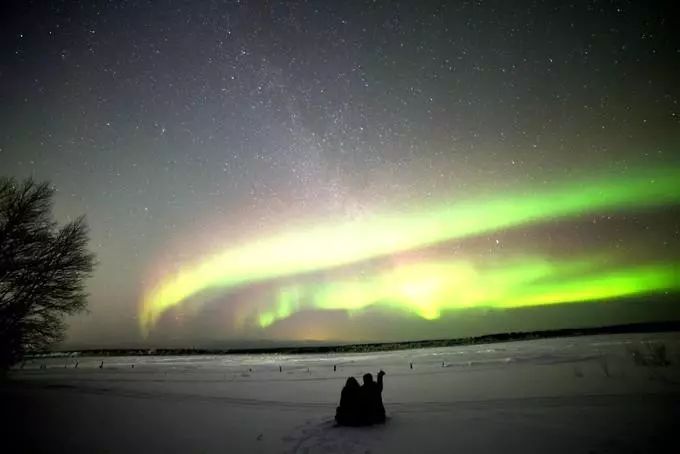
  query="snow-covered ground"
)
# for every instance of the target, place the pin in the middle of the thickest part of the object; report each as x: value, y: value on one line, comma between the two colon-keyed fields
x: 588, y: 394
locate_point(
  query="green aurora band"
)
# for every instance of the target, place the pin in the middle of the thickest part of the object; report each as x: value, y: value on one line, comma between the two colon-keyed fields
x: 328, y: 246
x: 428, y: 289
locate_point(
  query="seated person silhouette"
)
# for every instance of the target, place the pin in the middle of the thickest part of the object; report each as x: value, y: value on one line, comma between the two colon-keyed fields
x: 360, y: 406
x: 349, y: 411
x: 371, y: 397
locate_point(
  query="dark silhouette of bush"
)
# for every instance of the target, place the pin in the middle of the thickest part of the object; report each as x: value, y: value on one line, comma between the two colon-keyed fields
x: 653, y: 354
x: 42, y: 269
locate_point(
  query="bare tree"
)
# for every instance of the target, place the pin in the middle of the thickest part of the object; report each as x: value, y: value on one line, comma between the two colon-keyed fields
x: 42, y: 269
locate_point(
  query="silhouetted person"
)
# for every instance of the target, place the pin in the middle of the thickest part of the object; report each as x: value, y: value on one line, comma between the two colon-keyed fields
x: 371, y: 399
x: 349, y: 413
x: 411, y: 365
x: 280, y: 369
x: 335, y: 367
x: 101, y: 366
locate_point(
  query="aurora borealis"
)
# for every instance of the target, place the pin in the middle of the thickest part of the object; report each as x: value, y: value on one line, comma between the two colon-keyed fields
x: 340, y: 171
x: 429, y: 288
x: 425, y: 289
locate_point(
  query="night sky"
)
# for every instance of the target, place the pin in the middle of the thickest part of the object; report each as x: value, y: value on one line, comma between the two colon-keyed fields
x: 370, y: 170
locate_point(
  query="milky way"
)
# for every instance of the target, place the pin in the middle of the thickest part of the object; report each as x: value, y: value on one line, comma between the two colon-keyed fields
x: 352, y: 170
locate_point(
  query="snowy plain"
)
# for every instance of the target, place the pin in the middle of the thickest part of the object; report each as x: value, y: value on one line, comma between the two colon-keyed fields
x: 592, y: 394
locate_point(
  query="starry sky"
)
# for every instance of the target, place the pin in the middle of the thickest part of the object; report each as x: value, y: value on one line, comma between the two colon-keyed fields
x: 351, y: 171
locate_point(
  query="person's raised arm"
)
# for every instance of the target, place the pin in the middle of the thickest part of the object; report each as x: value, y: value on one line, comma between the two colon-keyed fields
x: 380, y: 380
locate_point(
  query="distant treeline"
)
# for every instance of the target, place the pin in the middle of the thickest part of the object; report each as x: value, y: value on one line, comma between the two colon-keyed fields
x: 651, y: 327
